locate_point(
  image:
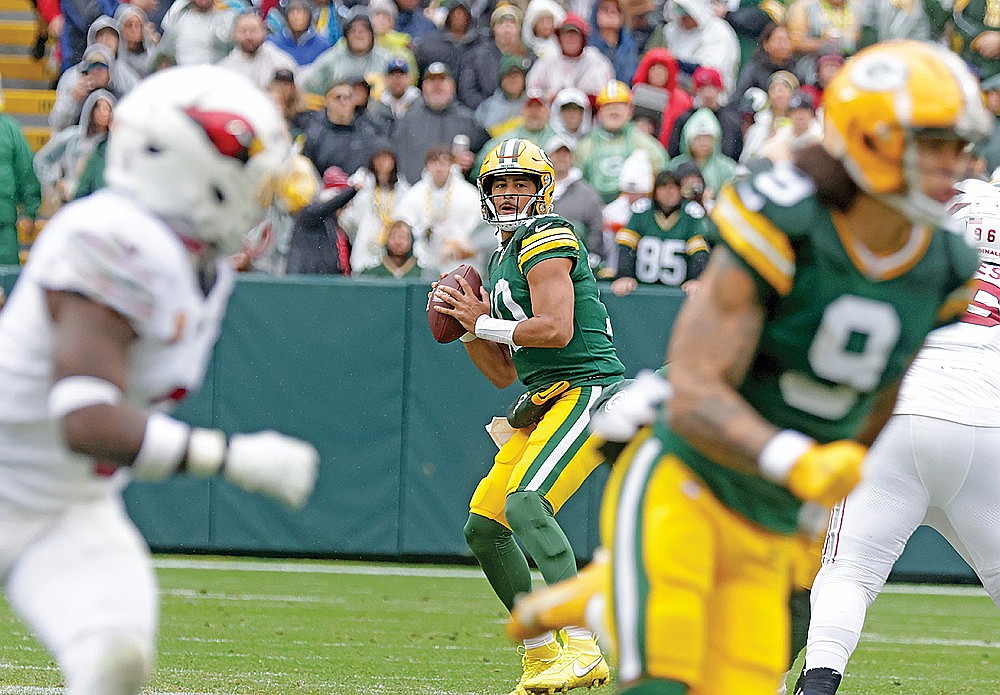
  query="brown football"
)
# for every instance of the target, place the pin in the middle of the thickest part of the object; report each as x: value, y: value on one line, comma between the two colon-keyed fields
x: 445, y: 328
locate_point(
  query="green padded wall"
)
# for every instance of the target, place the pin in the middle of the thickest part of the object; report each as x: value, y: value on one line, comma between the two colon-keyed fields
x: 350, y: 365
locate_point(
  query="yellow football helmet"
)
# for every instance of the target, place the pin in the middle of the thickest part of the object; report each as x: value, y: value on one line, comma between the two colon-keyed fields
x: 886, y: 97
x: 517, y: 156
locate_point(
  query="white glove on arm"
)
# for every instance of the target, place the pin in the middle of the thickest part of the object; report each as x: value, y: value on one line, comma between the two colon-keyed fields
x: 632, y: 408
x: 267, y: 462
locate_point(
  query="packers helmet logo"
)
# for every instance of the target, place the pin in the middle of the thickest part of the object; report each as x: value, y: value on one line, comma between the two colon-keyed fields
x: 880, y: 72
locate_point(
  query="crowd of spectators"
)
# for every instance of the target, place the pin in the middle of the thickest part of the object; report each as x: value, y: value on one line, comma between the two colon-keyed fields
x: 646, y: 108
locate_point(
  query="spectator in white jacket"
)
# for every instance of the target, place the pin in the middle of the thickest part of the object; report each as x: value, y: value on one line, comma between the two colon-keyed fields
x: 253, y: 56
x: 696, y: 36
x: 444, y: 211
x: 576, y: 65
x: 367, y: 218
x: 541, y: 18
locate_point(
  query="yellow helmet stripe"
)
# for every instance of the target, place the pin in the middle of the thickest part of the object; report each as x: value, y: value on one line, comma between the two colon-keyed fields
x: 755, y: 238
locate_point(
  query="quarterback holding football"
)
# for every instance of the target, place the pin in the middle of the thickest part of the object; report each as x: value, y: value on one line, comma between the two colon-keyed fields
x: 542, y: 322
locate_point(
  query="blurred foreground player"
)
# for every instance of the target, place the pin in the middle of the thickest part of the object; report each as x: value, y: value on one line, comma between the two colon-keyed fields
x: 937, y: 462
x: 829, y: 273
x: 544, y: 324
x: 111, y: 322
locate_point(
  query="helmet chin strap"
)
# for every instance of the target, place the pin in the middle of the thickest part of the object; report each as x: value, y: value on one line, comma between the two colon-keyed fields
x: 507, y: 223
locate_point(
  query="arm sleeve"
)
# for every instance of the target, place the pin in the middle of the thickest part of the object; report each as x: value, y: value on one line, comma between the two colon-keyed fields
x: 626, y: 255
x: 29, y: 192
x: 313, y: 214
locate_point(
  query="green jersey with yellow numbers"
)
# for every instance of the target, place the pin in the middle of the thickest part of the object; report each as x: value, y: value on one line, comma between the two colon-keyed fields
x: 841, y: 323
x: 590, y: 356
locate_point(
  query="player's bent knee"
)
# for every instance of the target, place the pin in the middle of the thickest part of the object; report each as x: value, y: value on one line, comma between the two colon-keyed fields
x: 482, y: 534
x: 108, y: 663
x: 530, y: 517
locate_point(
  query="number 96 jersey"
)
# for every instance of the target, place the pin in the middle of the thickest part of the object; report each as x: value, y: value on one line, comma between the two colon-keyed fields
x: 841, y: 323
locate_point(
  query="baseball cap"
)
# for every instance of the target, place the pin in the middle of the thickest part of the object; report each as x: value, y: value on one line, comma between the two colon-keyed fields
x: 397, y: 65
x: 614, y: 92
x: 535, y: 95
x: 576, y: 23
x: 784, y: 76
x: 503, y: 12
x: 509, y: 62
x: 96, y: 55
x: 437, y: 69
x: 704, y: 76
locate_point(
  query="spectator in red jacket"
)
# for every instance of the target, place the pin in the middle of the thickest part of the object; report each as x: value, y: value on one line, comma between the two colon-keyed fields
x: 658, y: 69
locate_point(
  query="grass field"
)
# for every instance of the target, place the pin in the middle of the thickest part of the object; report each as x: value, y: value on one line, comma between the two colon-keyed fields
x: 272, y: 627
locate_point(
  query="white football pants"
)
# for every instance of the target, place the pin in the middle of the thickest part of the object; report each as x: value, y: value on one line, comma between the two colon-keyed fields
x: 920, y: 470
x: 82, y: 580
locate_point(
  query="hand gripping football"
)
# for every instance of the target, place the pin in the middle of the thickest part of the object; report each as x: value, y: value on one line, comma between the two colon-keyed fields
x: 445, y: 328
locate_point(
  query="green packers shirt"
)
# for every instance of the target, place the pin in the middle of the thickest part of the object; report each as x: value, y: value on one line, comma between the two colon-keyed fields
x: 659, y: 248
x: 840, y: 322
x: 590, y: 356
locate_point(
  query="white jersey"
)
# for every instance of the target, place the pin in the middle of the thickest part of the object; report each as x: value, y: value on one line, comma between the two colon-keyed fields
x: 112, y: 251
x: 956, y: 375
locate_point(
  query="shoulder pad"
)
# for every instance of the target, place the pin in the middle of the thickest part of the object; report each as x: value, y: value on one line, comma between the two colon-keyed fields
x: 755, y: 238
x: 694, y: 210
x: 642, y: 205
x: 545, y: 236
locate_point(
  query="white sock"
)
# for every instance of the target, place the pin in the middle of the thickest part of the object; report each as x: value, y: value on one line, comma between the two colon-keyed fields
x: 838, y: 614
x: 578, y: 633
x: 540, y: 641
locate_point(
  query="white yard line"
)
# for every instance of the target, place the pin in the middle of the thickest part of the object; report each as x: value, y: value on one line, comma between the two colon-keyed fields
x: 377, y: 570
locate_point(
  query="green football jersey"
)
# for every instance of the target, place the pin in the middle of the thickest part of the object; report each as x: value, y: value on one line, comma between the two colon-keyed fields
x: 657, y: 248
x: 841, y: 323
x: 590, y: 356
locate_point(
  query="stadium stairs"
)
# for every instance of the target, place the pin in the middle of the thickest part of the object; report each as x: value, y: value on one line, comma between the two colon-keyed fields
x: 25, y: 81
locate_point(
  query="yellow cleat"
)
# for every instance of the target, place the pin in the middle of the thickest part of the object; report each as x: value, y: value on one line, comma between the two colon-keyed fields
x: 561, y: 604
x: 536, y: 661
x: 581, y: 665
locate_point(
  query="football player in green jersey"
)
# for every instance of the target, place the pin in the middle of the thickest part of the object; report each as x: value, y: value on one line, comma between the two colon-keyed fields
x: 542, y: 322
x: 830, y: 271
x: 663, y: 242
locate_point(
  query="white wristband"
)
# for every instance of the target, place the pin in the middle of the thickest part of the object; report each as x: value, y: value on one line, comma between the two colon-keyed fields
x: 163, y: 447
x: 468, y: 337
x: 206, y: 451
x: 74, y: 392
x: 497, y: 330
x: 781, y: 453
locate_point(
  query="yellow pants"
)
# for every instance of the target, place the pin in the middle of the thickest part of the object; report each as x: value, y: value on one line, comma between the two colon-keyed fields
x: 550, y: 458
x: 699, y: 594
